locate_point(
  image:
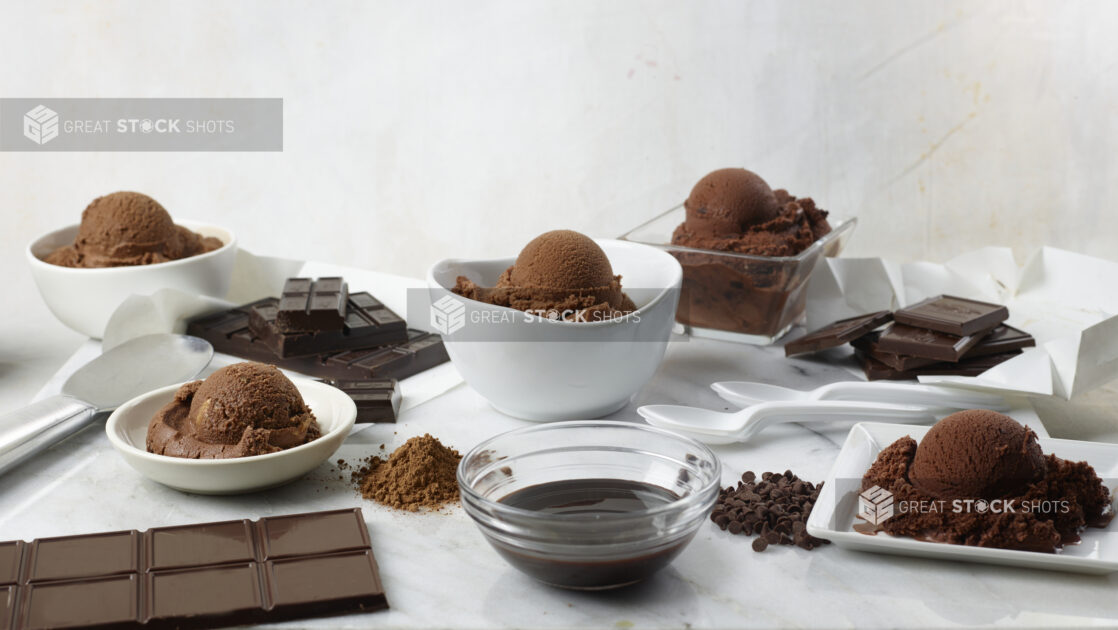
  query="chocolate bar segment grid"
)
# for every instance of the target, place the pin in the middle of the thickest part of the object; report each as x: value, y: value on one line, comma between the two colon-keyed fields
x: 312, y: 305
x: 195, y: 576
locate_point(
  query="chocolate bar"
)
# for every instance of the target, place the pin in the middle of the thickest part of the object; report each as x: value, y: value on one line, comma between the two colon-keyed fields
x: 377, y: 399
x: 838, y: 333
x: 228, y: 332
x: 953, y: 315
x: 876, y: 370
x: 368, y: 323
x: 208, y: 575
x: 927, y: 344
x: 307, y: 305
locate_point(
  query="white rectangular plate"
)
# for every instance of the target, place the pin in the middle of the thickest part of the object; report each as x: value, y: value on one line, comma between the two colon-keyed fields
x: 833, y: 516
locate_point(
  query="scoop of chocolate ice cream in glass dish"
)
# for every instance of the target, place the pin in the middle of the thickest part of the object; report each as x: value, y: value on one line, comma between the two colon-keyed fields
x: 747, y: 252
x: 245, y: 427
x: 570, y: 328
x: 126, y: 243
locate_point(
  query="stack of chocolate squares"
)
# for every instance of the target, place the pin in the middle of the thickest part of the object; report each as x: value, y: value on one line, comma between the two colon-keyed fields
x: 318, y: 328
x: 943, y: 335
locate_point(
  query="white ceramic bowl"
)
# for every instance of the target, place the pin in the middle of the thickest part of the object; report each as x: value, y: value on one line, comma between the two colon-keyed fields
x: 127, y: 428
x: 539, y: 369
x: 84, y: 299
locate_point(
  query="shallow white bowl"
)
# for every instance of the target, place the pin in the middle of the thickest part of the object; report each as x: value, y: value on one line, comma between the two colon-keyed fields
x: 84, y: 299
x: 127, y: 429
x: 538, y: 369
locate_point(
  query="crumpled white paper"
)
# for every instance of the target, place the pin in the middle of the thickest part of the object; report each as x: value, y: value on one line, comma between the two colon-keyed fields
x: 1068, y: 301
x: 256, y: 277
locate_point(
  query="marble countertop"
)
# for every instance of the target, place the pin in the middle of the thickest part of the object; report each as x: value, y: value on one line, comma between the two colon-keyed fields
x: 439, y: 572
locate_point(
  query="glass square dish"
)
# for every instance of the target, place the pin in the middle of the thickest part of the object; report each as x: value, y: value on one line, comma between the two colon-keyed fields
x: 740, y: 297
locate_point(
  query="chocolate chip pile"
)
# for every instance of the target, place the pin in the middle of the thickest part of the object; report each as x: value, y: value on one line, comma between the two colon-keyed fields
x: 775, y: 508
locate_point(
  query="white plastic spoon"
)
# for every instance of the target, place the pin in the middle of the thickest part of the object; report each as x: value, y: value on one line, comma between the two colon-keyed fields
x: 717, y: 427
x: 745, y: 393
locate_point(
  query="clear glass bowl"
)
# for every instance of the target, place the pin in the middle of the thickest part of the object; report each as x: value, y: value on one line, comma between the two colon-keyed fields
x: 589, y: 549
x: 740, y: 297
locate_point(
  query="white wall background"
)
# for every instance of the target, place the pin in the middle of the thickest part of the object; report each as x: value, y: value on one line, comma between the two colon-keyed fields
x: 417, y: 130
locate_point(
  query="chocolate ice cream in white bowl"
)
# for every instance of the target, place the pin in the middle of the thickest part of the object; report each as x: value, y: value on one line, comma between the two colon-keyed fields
x: 571, y: 328
x: 127, y: 243
x: 246, y: 427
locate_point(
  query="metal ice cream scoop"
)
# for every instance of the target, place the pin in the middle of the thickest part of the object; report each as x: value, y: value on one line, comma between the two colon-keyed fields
x: 118, y: 375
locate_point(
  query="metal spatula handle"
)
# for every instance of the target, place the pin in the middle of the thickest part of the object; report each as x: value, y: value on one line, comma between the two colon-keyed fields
x: 27, y: 431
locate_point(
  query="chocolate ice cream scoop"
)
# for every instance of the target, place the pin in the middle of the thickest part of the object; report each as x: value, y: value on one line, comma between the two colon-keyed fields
x: 242, y: 409
x: 561, y: 259
x: 977, y: 454
x: 129, y: 228
x: 728, y: 202
x: 560, y: 275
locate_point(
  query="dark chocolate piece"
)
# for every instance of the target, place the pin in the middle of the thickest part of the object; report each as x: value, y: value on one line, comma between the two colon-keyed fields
x: 8, y: 603
x: 968, y: 366
x: 312, y: 305
x: 297, y: 591
x: 368, y: 323
x: 422, y: 351
x: 11, y: 554
x: 837, y: 333
x: 196, y: 576
x: 927, y: 344
x: 70, y: 557
x: 900, y: 362
x: 1004, y: 338
x: 953, y: 315
x: 206, y: 596
x: 296, y: 535
x: 102, y: 602
x: 876, y: 370
x: 377, y: 399
x: 229, y: 333
x: 199, y: 545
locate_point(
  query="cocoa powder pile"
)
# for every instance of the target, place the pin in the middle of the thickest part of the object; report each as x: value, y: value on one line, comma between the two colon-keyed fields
x: 419, y: 474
